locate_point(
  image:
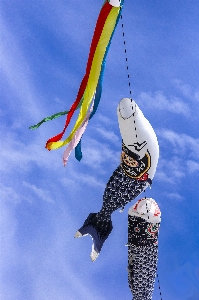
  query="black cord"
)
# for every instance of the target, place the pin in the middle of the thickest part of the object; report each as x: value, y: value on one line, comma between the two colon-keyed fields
x: 127, y: 67
x: 130, y: 91
x: 159, y: 286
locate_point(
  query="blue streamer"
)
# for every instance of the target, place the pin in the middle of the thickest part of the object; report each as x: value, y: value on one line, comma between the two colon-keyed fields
x: 78, y: 152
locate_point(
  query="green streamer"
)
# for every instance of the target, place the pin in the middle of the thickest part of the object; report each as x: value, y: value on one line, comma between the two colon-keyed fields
x: 57, y: 115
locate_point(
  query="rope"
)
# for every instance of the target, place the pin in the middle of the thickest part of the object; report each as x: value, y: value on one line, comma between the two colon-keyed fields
x: 130, y: 91
x: 127, y: 67
x: 159, y: 286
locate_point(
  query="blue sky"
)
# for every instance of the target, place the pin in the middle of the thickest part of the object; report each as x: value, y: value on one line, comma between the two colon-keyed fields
x: 44, y: 49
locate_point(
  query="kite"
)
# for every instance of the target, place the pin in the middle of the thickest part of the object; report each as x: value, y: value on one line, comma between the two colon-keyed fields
x: 139, y: 158
x: 90, y: 89
x: 143, y: 228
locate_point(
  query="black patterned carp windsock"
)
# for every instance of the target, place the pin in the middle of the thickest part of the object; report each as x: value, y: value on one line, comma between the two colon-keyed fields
x: 138, y: 162
x: 144, y: 219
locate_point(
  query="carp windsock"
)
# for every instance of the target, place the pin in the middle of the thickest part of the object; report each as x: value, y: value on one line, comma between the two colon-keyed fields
x: 144, y: 219
x: 139, y: 158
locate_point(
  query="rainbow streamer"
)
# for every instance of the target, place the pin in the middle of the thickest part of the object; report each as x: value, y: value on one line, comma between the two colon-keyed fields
x: 91, y: 85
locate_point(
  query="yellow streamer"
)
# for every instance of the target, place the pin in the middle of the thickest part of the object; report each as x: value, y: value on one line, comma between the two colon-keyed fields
x: 93, y: 76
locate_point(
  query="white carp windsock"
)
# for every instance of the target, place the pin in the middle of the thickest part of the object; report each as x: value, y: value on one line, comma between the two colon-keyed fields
x: 139, y: 158
x: 139, y: 141
x: 144, y: 219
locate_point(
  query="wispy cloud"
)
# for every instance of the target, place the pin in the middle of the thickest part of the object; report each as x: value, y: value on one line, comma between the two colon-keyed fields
x: 43, y: 59
x: 183, y: 158
x: 40, y: 193
x: 47, y: 264
x: 82, y: 179
x: 181, y: 143
x: 107, y: 134
x: 159, y: 101
x: 196, y: 95
x: 18, y: 74
x: 9, y: 194
x: 186, y: 90
x: 171, y: 170
x: 96, y: 154
x: 174, y: 196
x: 192, y: 166
x: 104, y: 120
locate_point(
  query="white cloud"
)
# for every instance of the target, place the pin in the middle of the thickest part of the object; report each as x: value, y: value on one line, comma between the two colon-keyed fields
x: 192, y: 166
x: 181, y: 160
x: 19, y: 155
x: 170, y: 170
x: 82, y: 178
x: 46, y: 260
x: 9, y: 194
x: 107, y: 134
x: 162, y: 176
x: 50, y: 265
x: 186, y: 90
x: 97, y: 153
x: 18, y: 75
x: 181, y: 143
x: 174, y: 196
x: 159, y: 101
x: 41, y: 193
x: 196, y: 96
x: 106, y: 121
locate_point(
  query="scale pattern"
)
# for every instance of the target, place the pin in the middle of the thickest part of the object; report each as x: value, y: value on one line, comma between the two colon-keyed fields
x: 120, y: 190
x: 142, y: 265
x: 142, y: 256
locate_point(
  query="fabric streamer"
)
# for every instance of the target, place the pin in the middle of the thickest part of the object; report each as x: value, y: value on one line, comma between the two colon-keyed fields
x: 77, y: 137
x: 92, y: 81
